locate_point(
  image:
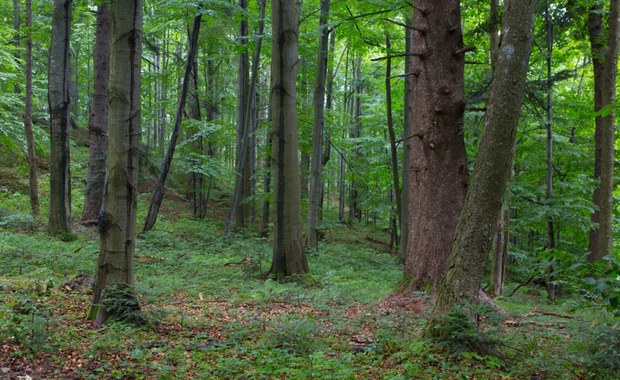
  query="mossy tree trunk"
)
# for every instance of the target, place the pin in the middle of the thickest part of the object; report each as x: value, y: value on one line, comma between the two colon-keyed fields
x: 117, y: 222
x: 477, y: 224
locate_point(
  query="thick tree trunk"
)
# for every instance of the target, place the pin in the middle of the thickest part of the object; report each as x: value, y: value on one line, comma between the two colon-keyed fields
x: 438, y: 176
x: 33, y: 185
x: 477, y: 224
x: 288, y: 251
x: 98, y: 125
x: 58, y: 96
x: 316, y: 178
x: 158, y: 194
x: 117, y: 222
x: 605, y: 61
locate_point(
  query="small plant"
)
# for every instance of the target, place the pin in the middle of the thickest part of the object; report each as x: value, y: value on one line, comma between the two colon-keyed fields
x: 457, y: 332
x: 121, y: 304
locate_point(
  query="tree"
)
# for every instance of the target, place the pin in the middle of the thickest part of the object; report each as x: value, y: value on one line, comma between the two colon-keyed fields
x: 117, y: 222
x: 316, y: 175
x: 605, y: 62
x: 98, y: 125
x: 33, y: 186
x: 288, y: 249
x: 477, y: 223
x: 438, y: 176
x: 158, y: 194
x: 58, y: 97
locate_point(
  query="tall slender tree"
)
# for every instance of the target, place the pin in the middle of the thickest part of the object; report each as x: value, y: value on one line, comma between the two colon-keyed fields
x: 316, y: 175
x: 117, y: 222
x: 58, y: 97
x: 33, y: 186
x: 98, y: 124
x: 605, y: 61
x: 438, y: 176
x: 288, y: 249
x: 477, y: 223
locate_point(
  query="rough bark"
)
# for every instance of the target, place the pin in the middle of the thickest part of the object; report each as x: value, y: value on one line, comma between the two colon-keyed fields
x: 98, y: 125
x: 466, y: 264
x: 438, y: 176
x: 158, y: 194
x: 605, y: 62
x: 33, y: 185
x: 117, y: 221
x: 316, y: 177
x: 58, y: 97
x: 288, y: 251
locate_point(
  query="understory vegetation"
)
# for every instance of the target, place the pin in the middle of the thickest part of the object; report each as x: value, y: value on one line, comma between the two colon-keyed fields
x: 211, y: 313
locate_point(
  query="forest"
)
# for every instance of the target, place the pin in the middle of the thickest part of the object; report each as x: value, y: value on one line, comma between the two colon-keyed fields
x: 309, y: 189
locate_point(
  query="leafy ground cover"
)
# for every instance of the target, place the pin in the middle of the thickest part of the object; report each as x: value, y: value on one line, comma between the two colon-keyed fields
x: 213, y: 314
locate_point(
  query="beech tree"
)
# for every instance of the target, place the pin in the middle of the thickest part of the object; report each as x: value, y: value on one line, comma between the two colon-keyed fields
x: 477, y: 223
x: 117, y: 222
x: 33, y: 186
x: 98, y: 124
x: 289, y: 257
x: 58, y: 97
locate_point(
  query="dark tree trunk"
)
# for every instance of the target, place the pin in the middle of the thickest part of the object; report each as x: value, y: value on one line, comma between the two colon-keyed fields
x: 33, y: 185
x: 605, y: 61
x: 407, y: 121
x: 477, y: 223
x: 243, y: 98
x: 316, y: 178
x: 58, y: 96
x: 390, y: 127
x: 288, y: 250
x: 158, y: 194
x: 438, y: 176
x: 98, y: 125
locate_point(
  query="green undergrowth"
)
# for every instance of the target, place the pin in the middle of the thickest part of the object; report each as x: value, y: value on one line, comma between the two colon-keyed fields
x: 212, y: 312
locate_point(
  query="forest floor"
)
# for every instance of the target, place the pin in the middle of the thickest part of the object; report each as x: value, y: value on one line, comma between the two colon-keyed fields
x: 213, y: 314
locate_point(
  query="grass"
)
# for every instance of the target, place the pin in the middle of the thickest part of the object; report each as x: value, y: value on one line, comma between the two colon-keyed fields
x: 213, y: 314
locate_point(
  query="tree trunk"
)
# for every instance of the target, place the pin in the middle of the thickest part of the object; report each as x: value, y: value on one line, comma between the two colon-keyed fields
x: 58, y: 96
x: 288, y: 251
x: 117, y: 222
x: 477, y: 224
x: 242, y: 182
x: 605, y: 61
x: 390, y: 127
x: 407, y: 122
x: 316, y: 178
x: 98, y: 126
x: 158, y: 194
x: 354, y: 210
x: 243, y: 73
x: 438, y: 176
x: 33, y: 186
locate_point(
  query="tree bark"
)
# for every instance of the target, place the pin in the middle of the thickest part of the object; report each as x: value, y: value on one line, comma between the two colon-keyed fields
x: 158, y: 194
x: 438, y: 176
x: 316, y: 178
x: 33, y: 185
x: 58, y: 97
x: 288, y: 251
x: 243, y: 98
x: 390, y: 127
x: 117, y: 221
x: 466, y: 264
x: 98, y: 125
x: 605, y: 62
